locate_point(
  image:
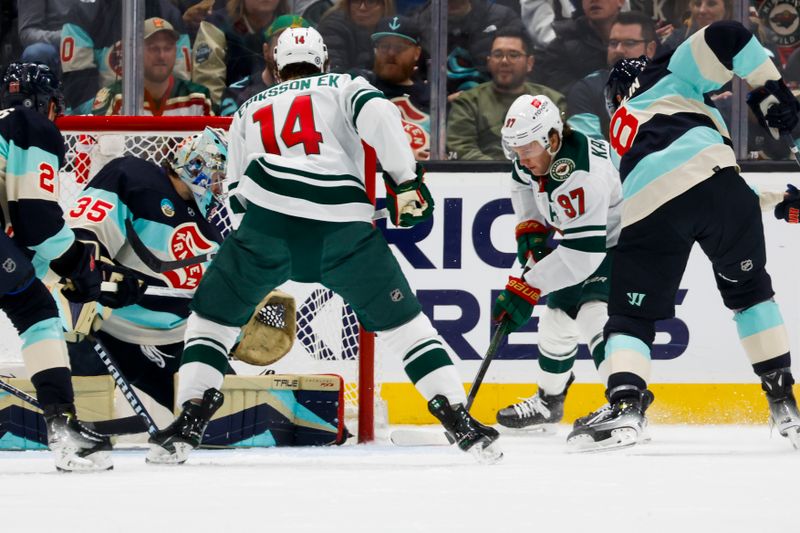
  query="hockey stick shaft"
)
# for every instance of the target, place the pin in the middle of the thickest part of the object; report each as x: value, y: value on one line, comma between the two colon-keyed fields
x: 154, y: 263
x: 115, y: 426
x: 497, y: 339
x: 126, y: 388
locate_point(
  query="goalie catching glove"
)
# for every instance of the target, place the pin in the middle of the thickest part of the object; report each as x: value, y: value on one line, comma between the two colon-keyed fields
x: 270, y: 332
x: 515, y: 304
x: 531, y: 241
x: 775, y: 107
x: 79, y: 269
x: 410, y: 202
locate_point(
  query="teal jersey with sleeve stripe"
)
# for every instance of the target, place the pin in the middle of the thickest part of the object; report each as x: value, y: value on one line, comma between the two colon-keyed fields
x: 31, y: 153
x: 669, y: 134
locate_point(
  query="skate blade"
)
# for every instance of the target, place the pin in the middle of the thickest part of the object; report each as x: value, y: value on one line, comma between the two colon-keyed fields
x: 157, y: 455
x: 620, y: 438
x: 793, y: 434
x: 487, y: 454
x: 96, y: 462
x: 541, y: 429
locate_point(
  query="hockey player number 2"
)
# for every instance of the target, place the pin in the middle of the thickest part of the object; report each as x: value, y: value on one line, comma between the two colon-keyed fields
x: 623, y: 129
x: 299, y: 127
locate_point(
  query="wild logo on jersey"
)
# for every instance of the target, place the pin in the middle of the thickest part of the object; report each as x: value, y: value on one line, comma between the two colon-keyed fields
x: 187, y: 241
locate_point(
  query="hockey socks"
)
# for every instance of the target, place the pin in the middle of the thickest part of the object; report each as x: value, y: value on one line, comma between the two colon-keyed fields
x: 205, y: 357
x: 425, y: 359
x: 763, y: 336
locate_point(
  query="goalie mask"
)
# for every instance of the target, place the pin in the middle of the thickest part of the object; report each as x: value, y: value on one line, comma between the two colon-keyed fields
x: 31, y: 85
x: 200, y: 163
x: 620, y: 80
x: 531, y: 119
x: 301, y: 45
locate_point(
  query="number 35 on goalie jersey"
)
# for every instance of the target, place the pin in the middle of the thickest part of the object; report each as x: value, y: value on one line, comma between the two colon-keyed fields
x: 296, y: 148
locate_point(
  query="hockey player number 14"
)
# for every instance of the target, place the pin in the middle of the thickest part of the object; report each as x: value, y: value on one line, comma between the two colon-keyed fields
x: 622, y: 131
x: 298, y: 128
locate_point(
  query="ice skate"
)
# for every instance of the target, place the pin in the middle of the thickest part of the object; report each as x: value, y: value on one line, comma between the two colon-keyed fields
x: 76, y: 448
x: 540, y: 412
x: 173, y: 444
x: 470, y: 435
x: 783, y: 412
x: 619, y: 424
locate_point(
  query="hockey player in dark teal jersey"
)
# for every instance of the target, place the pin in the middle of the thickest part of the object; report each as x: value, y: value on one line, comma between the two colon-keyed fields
x: 34, y: 233
x: 681, y: 185
x: 169, y: 207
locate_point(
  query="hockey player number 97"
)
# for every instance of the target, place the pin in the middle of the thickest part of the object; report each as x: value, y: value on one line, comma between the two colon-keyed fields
x: 299, y: 127
x: 566, y: 202
x: 622, y: 131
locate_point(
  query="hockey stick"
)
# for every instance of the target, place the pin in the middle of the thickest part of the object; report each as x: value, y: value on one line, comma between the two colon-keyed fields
x: 154, y: 263
x: 787, y: 138
x: 124, y: 386
x: 110, y: 286
x: 115, y: 426
x: 412, y: 437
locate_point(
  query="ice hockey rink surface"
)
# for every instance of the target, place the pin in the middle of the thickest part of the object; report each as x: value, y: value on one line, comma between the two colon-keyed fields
x: 688, y: 479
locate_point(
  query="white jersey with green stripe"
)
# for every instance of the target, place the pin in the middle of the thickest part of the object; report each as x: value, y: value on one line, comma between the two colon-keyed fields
x: 296, y: 148
x: 581, y: 197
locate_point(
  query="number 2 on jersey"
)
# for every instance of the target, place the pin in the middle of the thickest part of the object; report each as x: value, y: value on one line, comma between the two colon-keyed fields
x: 299, y: 127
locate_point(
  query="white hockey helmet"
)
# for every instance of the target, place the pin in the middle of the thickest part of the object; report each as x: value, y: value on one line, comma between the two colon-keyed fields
x: 200, y: 162
x: 301, y: 45
x: 529, y: 119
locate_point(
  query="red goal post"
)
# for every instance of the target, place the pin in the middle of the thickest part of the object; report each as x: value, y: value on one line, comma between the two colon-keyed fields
x: 92, y: 141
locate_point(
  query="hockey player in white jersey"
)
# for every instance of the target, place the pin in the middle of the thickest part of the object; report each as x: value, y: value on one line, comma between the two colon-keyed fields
x: 295, y: 150
x: 563, y: 180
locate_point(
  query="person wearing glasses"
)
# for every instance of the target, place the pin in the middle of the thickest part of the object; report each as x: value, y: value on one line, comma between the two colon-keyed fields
x: 579, y: 47
x: 347, y: 29
x: 632, y: 35
x: 476, y: 115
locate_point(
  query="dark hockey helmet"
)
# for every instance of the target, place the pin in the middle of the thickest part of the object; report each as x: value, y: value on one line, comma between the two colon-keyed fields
x: 31, y: 85
x: 622, y: 75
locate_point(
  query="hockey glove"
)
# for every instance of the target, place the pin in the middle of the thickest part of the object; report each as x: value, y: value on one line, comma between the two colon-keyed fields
x: 410, y: 202
x: 789, y: 208
x: 78, y: 266
x: 515, y: 304
x: 130, y: 289
x: 531, y: 241
x: 775, y: 107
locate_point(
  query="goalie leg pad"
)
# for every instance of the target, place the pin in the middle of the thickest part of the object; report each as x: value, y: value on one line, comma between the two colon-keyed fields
x: 426, y: 362
x: 763, y: 336
x: 205, y: 356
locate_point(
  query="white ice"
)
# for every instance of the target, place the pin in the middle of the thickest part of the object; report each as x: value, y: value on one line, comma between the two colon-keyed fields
x: 688, y: 479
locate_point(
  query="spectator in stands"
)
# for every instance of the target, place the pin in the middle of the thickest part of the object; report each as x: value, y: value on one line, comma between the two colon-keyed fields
x: 632, y: 35
x: 241, y: 91
x: 701, y: 14
x: 347, y: 29
x: 396, y: 74
x: 476, y: 116
x: 579, y: 47
x: 229, y: 42
x: 40, y: 23
x: 471, y: 24
x: 164, y: 94
x: 91, y: 53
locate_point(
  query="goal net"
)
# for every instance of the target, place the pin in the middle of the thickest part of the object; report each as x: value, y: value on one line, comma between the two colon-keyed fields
x: 329, y: 338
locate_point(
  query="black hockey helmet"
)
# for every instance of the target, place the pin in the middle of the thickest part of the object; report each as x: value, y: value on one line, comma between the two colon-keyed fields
x: 31, y: 85
x: 622, y: 75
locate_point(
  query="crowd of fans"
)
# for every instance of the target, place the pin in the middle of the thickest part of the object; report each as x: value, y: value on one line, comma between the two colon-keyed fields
x: 207, y: 57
